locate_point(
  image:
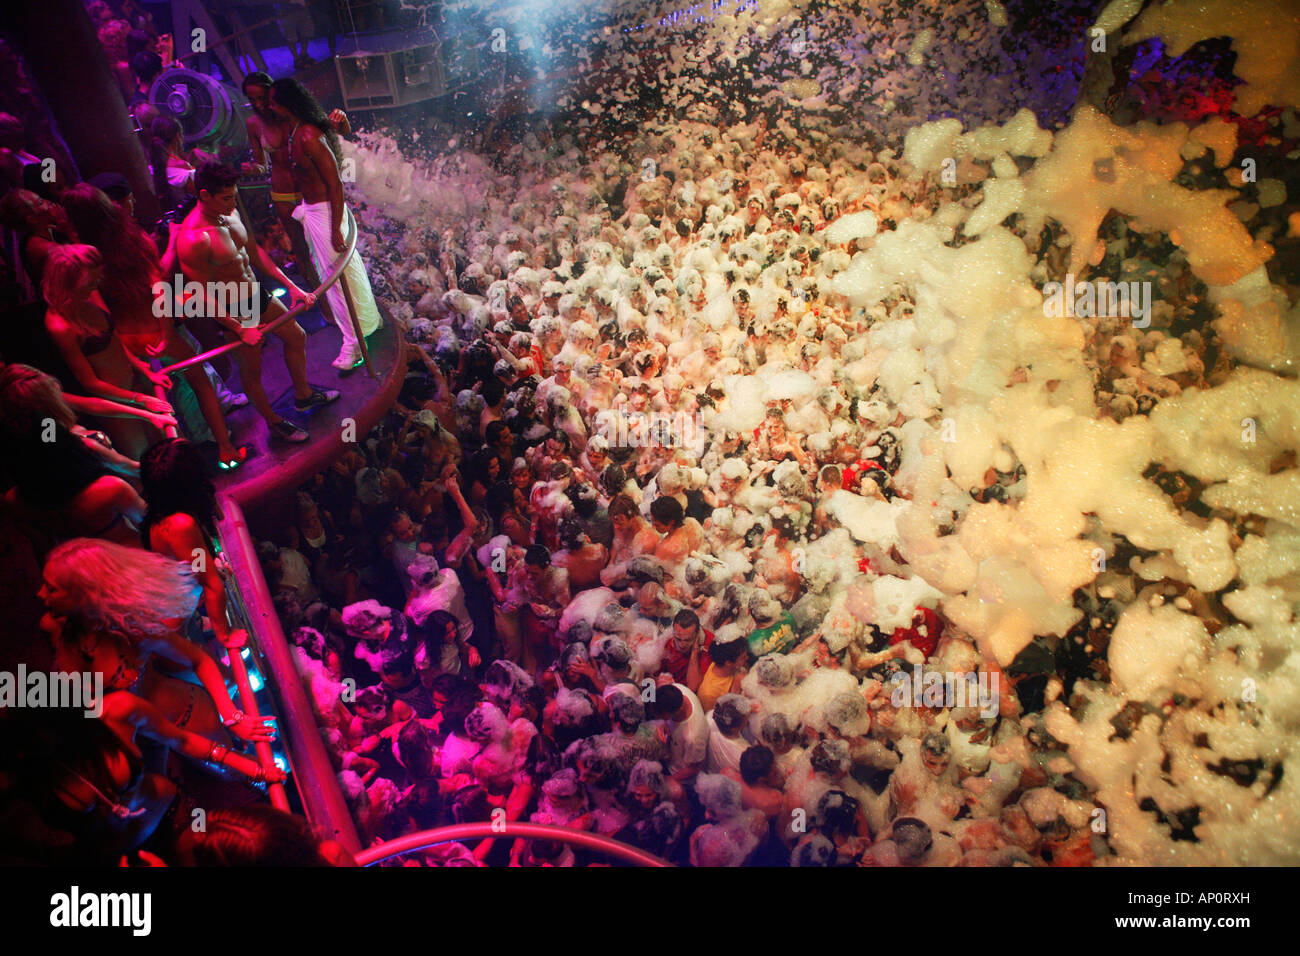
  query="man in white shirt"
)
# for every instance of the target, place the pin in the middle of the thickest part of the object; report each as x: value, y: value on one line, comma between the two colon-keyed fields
x: 726, y: 739
x: 686, y: 730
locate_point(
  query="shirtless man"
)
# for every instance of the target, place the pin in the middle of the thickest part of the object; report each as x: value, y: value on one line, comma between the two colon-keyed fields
x: 682, y: 536
x: 314, y: 164
x: 633, y: 536
x: 270, y: 138
x: 214, y: 245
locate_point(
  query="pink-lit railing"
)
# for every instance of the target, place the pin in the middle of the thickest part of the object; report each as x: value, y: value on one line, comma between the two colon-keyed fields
x: 528, y: 831
x: 313, y: 771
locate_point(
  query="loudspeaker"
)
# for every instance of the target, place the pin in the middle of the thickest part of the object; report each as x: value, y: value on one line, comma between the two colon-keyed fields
x: 390, y: 69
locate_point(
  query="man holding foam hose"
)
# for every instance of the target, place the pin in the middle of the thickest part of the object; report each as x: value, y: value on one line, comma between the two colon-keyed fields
x: 314, y: 163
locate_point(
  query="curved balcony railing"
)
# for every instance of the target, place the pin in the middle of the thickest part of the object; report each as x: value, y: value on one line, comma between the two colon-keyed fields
x: 528, y: 831
x: 313, y: 772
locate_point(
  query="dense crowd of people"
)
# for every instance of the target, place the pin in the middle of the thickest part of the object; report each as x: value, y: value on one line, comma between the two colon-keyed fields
x: 653, y: 543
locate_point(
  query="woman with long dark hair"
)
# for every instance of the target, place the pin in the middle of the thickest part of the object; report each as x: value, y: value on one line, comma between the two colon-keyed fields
x: 181, y: 522
x: 173, y: 174
x: 131, y: 270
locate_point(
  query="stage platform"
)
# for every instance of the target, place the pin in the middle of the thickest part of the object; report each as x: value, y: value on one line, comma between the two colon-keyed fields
x: 275, y: 467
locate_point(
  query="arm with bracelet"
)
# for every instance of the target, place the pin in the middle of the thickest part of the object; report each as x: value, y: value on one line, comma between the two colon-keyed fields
x: 177, y: 649
x: 136, y: 713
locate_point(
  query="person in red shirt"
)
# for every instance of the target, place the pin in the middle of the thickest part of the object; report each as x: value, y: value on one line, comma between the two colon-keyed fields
x: 686, y: 655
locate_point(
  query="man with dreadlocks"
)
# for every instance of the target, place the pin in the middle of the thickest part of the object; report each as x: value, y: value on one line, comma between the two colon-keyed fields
x: 314, y: 164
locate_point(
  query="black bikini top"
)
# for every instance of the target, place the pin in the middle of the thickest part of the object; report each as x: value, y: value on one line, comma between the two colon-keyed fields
x: 98, y: 341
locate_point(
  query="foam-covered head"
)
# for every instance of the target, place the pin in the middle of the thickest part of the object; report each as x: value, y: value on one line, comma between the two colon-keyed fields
x: 719, y: 795
x: 486, y: 723
x: 363, y: 617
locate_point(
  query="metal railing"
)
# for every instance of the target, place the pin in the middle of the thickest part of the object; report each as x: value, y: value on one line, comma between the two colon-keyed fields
x: 313, y: 771
x: 528, y: 831
x: 336, y: 275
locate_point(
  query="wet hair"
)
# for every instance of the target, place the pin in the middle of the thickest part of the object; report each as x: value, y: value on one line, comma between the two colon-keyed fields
x: 255, y: 835
x: 776, y: 730
x: 686, y: 618
x: 424, y: 803
x: 668, y: 510
x: 493, y: 391
x: 837, y: 814
x: 829, y: 757
x: 537, y: 555
x: 471, y: 805
x: 813, y: 850
x: 543, y: 759
x: 660, y: 832
x: 397, y: 662
x: 213, y: 177
x: 936, y: 744
x: 613, y: 479
x: 174, y: 479
x: 415, y: 749
x: 730, y: 713
x: 571, y: 533
x: 756, y: 763
x: 913, y: 837
x: 459, y: 706
x: 626, y: 711
x: 724, y: 652
x: 667, y: 701
x: 623, y: 506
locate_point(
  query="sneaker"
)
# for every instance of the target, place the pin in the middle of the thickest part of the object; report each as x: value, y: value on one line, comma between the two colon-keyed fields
x: 348, y: 359
x: 318, y: 397
x: 288, y: 431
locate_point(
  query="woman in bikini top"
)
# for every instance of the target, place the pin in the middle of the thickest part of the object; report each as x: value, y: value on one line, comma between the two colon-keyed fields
x: 85, y: 332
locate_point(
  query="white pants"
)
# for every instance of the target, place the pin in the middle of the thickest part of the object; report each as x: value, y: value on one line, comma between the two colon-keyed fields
x: 316, y: 223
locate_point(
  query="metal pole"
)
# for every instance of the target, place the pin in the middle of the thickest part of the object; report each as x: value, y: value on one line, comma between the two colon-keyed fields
x: 356, y: 327
x: 339, y: 265
x: 313, y: 770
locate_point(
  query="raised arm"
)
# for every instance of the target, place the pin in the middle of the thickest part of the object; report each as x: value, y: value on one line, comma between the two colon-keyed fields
x: 177, y: 649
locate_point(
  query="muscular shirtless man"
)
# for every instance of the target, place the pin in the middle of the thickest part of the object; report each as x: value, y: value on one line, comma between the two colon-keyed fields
x: 314, y: 165
x: 214, y: 246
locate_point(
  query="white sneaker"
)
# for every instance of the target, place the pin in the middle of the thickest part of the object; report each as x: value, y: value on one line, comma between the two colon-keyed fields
x: 349, y: 358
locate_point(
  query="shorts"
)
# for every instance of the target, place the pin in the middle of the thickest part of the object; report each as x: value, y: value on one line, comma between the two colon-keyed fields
x: 264, y: 302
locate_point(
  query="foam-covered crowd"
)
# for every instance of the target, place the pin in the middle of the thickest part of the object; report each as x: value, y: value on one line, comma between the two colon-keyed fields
x: 773, y: 486
x: 722, y: 427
